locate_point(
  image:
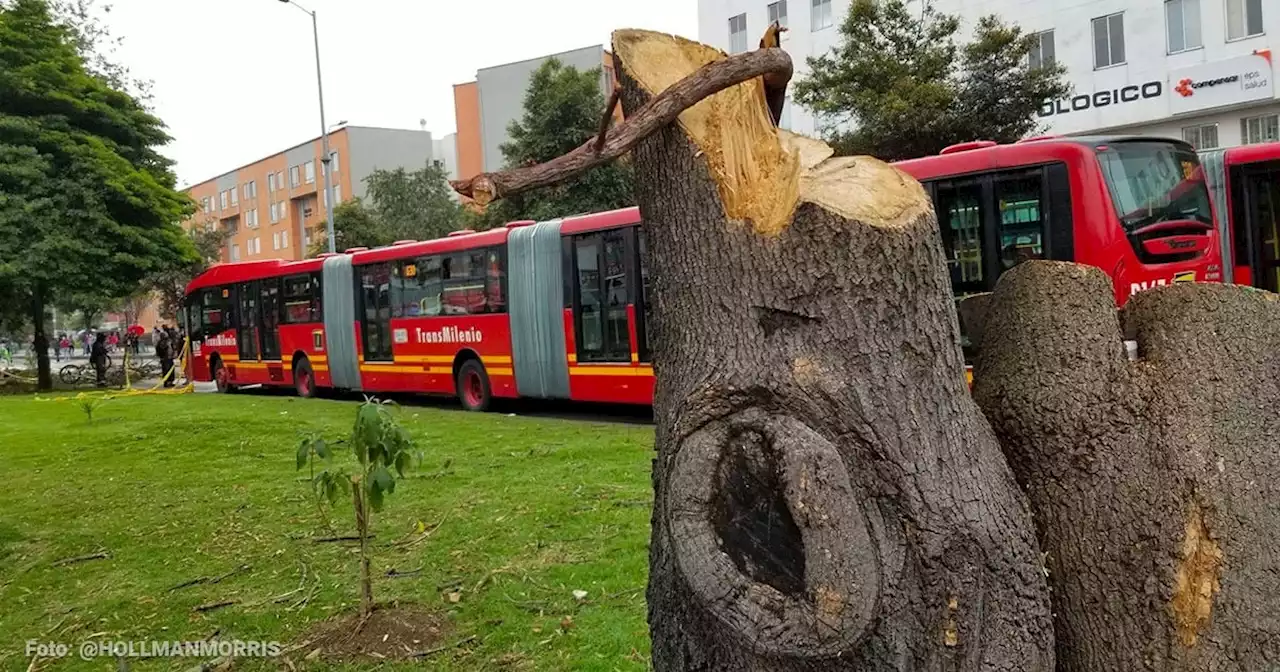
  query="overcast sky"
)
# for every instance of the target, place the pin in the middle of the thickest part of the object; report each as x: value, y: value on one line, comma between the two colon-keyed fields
x: 235, y: 79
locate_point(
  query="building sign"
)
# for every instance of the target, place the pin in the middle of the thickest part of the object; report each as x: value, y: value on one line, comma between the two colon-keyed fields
x: 1221, y: 83
x: 1086, y: 101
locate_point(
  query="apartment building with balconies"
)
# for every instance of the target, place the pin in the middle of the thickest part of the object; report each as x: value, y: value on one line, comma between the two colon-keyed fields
x: 274, y: 207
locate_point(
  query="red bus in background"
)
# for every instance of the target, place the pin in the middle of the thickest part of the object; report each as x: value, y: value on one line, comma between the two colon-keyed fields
x: 1135, y: 207
x: 548, y: 310
x: 1244, y: 183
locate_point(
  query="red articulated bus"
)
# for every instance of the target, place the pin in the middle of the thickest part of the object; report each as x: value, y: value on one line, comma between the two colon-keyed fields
x: 1244, y: 183
x: 1135, y: 207
x: 547, y: 310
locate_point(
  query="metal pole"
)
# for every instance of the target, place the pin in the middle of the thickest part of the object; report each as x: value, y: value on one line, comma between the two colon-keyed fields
x: 324, y: 141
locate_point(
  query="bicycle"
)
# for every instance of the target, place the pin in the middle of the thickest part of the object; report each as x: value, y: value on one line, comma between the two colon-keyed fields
x: 76, y: 375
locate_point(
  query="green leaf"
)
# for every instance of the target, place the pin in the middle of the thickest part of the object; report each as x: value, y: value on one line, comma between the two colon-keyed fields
x: 402, y: 461
x: 304, y: 451
x: 322, y: 449
x: 375, y: 495
x: 384, y: 480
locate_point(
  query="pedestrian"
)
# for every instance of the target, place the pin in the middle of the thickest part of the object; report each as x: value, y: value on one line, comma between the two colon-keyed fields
x: 98, y: 358
x: 64, y: 344
x: 164, y: 350
x: 86, y: 339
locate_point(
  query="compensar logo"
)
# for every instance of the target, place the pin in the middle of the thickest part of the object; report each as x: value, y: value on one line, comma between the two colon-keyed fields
x: 1187, y: 87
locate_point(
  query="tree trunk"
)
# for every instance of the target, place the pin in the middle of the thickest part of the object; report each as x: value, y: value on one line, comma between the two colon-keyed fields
x: 1154, y: 483
x: 361, y: 505
x: 44, y: 376
x: 827, y: 496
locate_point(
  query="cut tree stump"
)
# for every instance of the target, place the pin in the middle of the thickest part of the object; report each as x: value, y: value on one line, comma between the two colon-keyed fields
x: 827, y: 494
x: 1156, y: 483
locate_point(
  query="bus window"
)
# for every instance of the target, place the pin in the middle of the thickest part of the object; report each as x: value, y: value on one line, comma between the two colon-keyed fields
x: 1021, y: 220
x: 1152, y: 182
x: 645, y: 331
x: 496, y: 279
x: 463, y: 291
x: 590, y: 332
x: 603, y: 296
x: 215, y: 304
x: 247, y: 334
x: 375, y: 297
x: 960, y: 217
x: 617, y: 337
x: 301, y: 299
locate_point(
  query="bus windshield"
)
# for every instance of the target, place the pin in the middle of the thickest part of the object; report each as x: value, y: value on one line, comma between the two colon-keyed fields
x: 1152, y: 182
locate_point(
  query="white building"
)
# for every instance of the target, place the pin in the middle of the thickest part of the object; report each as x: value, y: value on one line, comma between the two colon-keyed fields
x: 812, y: 30
x: 1198, y: 69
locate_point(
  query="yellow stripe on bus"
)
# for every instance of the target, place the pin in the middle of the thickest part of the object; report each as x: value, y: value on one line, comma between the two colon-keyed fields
x: 501, y: 371
x: 598, y: 370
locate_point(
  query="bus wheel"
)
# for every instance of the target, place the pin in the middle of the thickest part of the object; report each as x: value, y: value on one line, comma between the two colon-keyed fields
x: 304, y: 380
x: 473, y: 386
x: 222, y: 378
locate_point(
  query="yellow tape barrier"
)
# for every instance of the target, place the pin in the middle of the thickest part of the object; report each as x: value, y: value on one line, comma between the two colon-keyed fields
x: 131, y: 391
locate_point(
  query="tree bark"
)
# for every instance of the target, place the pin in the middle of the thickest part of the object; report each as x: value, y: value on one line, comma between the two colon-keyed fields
x: 827, y: 495
x: 44, y: 375
x: 1154, y: 483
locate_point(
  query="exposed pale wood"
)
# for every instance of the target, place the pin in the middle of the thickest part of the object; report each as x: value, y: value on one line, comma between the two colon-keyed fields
x: 660, y: 111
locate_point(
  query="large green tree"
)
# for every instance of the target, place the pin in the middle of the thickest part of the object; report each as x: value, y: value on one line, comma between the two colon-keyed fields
x: 562, y: 110
x: 87, y: 203
x: 400, y: 205
x: 900, y: 86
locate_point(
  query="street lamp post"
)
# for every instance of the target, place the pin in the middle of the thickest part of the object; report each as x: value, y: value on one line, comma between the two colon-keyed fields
x: 324, y: 133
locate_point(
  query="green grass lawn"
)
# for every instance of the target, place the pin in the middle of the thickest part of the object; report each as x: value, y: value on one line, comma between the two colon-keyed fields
x: 179, y: 487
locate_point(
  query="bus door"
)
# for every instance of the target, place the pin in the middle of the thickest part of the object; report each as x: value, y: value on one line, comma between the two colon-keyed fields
x: 375, y: 301
x: 247, y: 325
x: 602, y: 304
x: 270, y: 307
x: 1259, y: 223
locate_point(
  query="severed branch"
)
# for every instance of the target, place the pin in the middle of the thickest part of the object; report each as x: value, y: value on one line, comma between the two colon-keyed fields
x: 775, y: 85
x: 661, y: 110
x: 608, y: 116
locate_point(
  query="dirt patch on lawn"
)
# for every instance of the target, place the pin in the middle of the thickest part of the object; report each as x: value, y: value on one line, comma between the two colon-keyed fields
x: 393, y: 632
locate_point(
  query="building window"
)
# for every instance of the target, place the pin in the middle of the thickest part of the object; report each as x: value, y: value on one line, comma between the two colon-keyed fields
x: 1244, y: 18
x: 337, y: 194
x: 275, y: 212
x: 1108, y: 41
x: 284, y: 239
x: 738, y: 34
x: 222, y: 198
x: 275, y: 240
x: 1260, y: 129
x: 284, y: 210
x: 310, y: 168
x: 333, y: 162
x: 235, y: 252
x: 204, y: 204
x: 293, y: 176
x: 820, y: 15
x: 778, y: 13
x: 235, y: 195
x: 1041, y: 55
x: 1182, y: 22
x: 271, y: 183
x: 1201, y: 137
